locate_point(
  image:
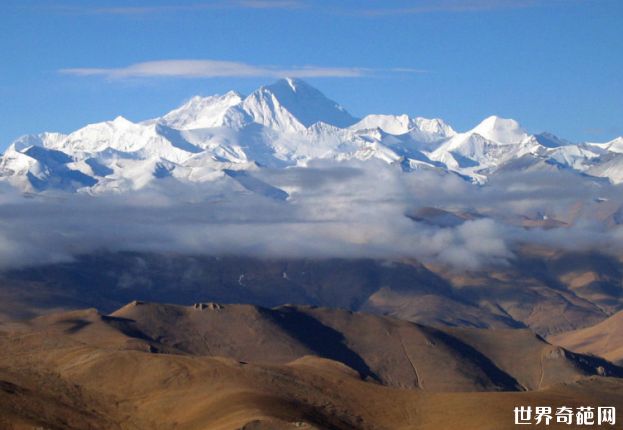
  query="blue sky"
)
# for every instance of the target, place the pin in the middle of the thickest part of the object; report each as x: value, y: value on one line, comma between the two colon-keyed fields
x: 553, y: 65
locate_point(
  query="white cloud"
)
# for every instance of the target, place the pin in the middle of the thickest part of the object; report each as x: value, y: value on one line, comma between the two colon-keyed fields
x: 451, y: 6
x: 212, y: 69
x: 218, y: 69
x: 346, y: 210
x: 403, y: 7
x: 181, y: 7
x: 270, y: 4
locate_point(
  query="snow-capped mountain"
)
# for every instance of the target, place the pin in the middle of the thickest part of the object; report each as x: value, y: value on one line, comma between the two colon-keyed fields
x: 206, y: 112
x: 288, y: 123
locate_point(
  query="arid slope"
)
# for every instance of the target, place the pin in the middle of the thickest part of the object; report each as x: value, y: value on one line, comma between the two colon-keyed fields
x: 604, y: 339
x: 151, y: 366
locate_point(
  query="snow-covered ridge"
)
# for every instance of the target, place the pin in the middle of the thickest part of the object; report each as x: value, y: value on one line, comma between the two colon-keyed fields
x: 288, y: 123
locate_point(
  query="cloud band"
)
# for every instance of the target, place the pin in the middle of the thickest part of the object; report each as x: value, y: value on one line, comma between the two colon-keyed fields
x: 218, y: 69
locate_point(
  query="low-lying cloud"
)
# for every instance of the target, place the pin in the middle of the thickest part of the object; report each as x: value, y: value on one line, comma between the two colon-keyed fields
x: 346, y: 210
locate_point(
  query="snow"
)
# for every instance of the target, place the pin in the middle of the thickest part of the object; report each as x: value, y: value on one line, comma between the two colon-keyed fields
x: 500, y: 130
x: 286, y: 124
x: 421, y: 129
x: 291, y: 105
x: 615, y: 145
x: 205, y: 112
x: 611, y: 168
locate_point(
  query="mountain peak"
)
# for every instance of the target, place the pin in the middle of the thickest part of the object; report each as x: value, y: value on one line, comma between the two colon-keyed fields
x: 495, y: 121
x: 231, y: 94
x: 422, y: 129
x: 293, y: 83
x: 304, y: 102
x: 203, y: 112
x: 615, y: 145
x: 501, y: 130
x: 121, y: 121
x: 550, y: 140
x: 286, y: 123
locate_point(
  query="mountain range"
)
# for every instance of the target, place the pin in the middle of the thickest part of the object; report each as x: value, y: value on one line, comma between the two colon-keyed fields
x: 384, y: 272
x: 289, y: 123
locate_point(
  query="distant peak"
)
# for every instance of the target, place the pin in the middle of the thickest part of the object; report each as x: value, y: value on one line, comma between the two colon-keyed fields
x: 204, y: 112
x: 503, y: 130
x: 119, y: 120
x: 425, y: 129
x: 233, y: 94
x: 305, y: 103
x: 230, y: 95
x: 293, y: 85
x: 495, y: 121
x: 550, y: 140
x: 615, y: 145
